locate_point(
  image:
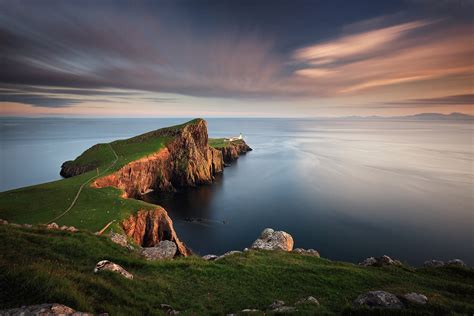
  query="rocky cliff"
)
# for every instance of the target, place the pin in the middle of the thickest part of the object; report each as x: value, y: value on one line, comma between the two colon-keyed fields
x: 187, y: 160
x: 150, y: 227
x: 233, y: 150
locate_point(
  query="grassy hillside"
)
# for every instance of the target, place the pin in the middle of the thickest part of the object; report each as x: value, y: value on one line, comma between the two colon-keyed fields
x: 221, y: 142
x: 38, y: 266
x: 94, y: 207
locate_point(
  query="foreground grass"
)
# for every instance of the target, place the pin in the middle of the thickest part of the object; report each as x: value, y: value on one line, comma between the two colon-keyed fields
x: 38, y: 266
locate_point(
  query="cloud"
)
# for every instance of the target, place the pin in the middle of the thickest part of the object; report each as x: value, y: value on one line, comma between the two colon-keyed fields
x: 386, y: 56
x: 462, y: 99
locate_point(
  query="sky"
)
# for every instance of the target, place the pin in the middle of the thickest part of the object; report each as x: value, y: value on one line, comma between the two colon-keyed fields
x: 261, y: 58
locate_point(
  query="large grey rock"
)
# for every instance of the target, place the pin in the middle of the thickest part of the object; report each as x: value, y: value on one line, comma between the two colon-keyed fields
x: 456, y: 263
x: 166, y: 249
x: 433, y: 263
x: 380, y: 261
x: 273, y: 240
x: 43, y: 310
x: 308, y: 300
x: 308, y: 252
x: 106, y: 265
x: 378, y: 299
x: 416, y: 298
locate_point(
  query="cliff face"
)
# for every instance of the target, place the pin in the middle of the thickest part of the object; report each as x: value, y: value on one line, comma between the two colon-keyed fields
x: 186, y: 161
x: 233, y: 150
x: 149, y: 228
x: 69, y: 169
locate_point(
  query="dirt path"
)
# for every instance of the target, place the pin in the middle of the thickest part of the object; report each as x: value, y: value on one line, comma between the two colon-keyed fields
x: 84, y: 184
x: 100, y: 232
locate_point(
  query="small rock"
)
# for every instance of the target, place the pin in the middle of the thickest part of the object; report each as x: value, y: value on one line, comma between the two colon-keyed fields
x: 433, y: 263
x: 246, y: 249
x: 416, y: 298
x: 52, y: 226
x: 72, y: 229
x: 380, y: 261
x: 285, y: 309
x: 210, y: 257
x: 64, y: 227
x: 168, y: 309
x: 3, y: 222
x: 27, y: 225
x: 308, y: 300
x: 308, y: 252
x: 43, y: 309
x: 119, y: 239
x: 276, y: 304
x: 273, y: 240
x: 378, y: 299
x: 166, y: 249
x: 456, y: 263
x: 229, y: 253
x: 110, y: 266
x: 250, y: 310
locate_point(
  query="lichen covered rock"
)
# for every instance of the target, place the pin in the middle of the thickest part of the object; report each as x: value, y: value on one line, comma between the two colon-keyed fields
x: 106, y: 265
x: 378, y: 299
x: 273, y: 240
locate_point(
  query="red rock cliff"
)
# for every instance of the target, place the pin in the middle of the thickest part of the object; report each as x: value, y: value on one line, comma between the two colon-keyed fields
x: 149, y: 228
x: 186, y: 161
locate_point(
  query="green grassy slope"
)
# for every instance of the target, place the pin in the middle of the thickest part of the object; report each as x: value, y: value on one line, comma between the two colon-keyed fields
x: 95, y: 207
x: 221, y: 142
x: 39, y: 265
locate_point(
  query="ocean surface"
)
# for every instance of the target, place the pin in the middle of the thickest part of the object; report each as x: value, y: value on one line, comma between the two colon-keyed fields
x: 348, y: 188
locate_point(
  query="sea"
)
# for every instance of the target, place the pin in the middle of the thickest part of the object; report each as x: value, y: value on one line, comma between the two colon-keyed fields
x: 349, y: 188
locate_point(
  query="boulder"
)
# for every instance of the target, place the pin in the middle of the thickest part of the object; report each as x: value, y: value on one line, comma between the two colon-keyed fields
x: 378, y: 299
x: 433, y: 263
x: 308, y: 252
x: 43, y: 309
x: 416, y: 298
x: 380, y: 261
x: 110, y: 266
x: 456, y: 263
x: 308, y: 300
x: 53, y: 225
x: 210, y: 257
x: 166, y: 249
x: 273, y: 240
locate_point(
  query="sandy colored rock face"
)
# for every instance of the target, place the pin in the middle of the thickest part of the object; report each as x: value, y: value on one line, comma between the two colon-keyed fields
x: 232, y: 151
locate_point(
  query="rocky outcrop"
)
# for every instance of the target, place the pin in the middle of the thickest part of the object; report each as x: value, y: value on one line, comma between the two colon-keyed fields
x: 186, y: 161
x: 150, y: 227
x: 438, y: 263
x: 106, y: 265
x: 380, y: 261
x: 165, y: 250
x: 70, y: 169
x: 43, y: 309
x: 378, y: 299
x: 233, y: 150
x: 308, y: 252
x: 273, y: 240
x: 433, y: 263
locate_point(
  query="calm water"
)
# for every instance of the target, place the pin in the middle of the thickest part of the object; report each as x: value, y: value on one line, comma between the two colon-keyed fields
x: 350, y: 189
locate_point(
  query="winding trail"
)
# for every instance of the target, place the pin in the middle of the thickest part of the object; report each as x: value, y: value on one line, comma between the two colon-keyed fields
x: 84, y: 184
x: 100, y: 232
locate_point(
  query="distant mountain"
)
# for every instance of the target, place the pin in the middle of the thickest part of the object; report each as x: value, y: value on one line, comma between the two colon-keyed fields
x: 421, y: 116
x: 439, y: 116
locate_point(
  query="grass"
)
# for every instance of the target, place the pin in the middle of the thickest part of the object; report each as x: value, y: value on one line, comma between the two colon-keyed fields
x: 39, y: 265
x: 222, y: 142
x: 95, y: 207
